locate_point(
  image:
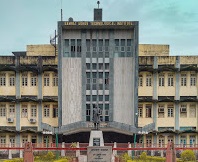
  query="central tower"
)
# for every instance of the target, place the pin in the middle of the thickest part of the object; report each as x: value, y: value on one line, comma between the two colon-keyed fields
x: 98, y: 65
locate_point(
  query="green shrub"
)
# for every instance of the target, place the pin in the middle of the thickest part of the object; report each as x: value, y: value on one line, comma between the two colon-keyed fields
x: 143, y: 156
x: 61, y: 160
x: 14, y: 160
x: 188, y: 155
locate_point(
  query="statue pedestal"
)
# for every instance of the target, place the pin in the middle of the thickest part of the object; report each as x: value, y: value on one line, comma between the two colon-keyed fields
x: 96, y: 138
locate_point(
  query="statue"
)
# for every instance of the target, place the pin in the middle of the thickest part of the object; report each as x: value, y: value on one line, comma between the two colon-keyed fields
x: 96, y: 117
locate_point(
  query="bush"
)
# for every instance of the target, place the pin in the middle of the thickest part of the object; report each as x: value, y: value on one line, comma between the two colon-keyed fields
x: 14, y: 160
x: 188, y: 155
x: 61, y: 160
x: 143, y: 156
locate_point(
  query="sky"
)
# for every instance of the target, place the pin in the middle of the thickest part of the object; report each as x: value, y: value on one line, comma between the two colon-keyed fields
x: 172, y: 22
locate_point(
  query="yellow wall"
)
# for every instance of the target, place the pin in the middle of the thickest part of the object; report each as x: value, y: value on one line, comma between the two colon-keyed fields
x: 40, y: 50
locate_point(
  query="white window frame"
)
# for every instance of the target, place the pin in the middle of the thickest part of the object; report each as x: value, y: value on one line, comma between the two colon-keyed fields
x: 55, y: 79
x: 33, y: 111
x: 46, y: 110
x: 183, y: 79
x: 148, y: 110
x: 2, y: 79
x: 33, y: 79
x: 140, y: 81
x: 12, y: 79
x: 170, y: 80
x: 12, y: 110
x: 161, y: 80
x: 24, y: 79
x: 148, y: 80
x: 24, y: 111
x: 140, y: 111
x: 46, y: 79
x: 170, y: 112
x: 3, y: 110
x: 193, y: 79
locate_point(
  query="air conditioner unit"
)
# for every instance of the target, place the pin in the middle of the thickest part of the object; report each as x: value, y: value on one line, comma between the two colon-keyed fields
x: 161, y: 110
x: 183, y: 110
x: 32, y: 120
x: 10, y: 120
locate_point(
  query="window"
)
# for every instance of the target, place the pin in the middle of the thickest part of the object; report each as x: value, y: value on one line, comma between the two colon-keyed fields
x: 183, y: 140
x: 161, y: 79
x: 100, y: 98
x: 46, y: 111
x: 140, y: 81
x: 73, y: 48
x: 116, y: 51
x: 106, y: 66
x: 3, y: 140
x: 183, y: 111
x: 161, y: 111
x: 148, y: 111
x: 193, y: 79
x: 2, y: 110
x: 12, y: 79
x: 170, y: 139
x: 78, y: 47
x: 148, y: 80
x: 24, y: 111
x: 46, y: 140
x: 88, y: 45
x: 2, y: 79
x: 170, y: 80
x: 24, y: 139
x: 161, y: 141
x: 183, y: 79
x: 66, y: 49
x: 94, y: 98
x: 55, y: 111
x: 192, y: 140
x: 140, y: 111
x: 106, y: 45
x: 34, y: 139
x: 12, y: 140
x: 33, y: 79
x: 106, y: 115
x: 88, y: 112
x: 94, y: 66
x: 100, y: 47
x: 55, y: 79
x: 33, y: 111
x: 94, y: 46
x: 192, y: 110
x: 88, y: 66
x: 46, y: 79
x: 106, y: 97
x: 106, y: 81
x: 148, y: 141
x: 12, y: 110
x: 88, y: 98
x: 170, y: 111
x: 24, y: 79
x: 88, y: 81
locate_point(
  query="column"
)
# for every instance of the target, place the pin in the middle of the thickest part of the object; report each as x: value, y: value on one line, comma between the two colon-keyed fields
x: 177, y: 92
x: 155, y: 95
x: 18, y: 96
x: 40, y: 93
